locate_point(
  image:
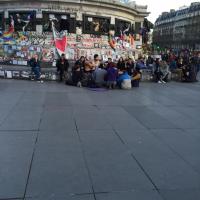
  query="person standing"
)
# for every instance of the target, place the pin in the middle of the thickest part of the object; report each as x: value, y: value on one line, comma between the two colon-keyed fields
x: 62, y: 65
x: 77, y: 71
x: 36, y: 68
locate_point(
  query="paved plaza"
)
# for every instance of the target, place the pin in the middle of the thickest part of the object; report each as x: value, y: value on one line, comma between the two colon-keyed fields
x: 65, y: 143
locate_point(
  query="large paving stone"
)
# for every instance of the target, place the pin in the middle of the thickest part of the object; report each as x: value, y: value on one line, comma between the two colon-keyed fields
x: 194, y: 133
x: 16, y: 151
x: 178, y: 119
x: 31, y: 100
x: 120, y: 119
x: 166, y: 169
x: 132, y: 195
x: 66, y: 197
x: 111, y: 166
x: 184, y: 194
x: 90, y: 118
x: 58, y: 167
x: 9, y: 98
x: 161, y: 98
x: 92, y: 122
x: 57, y: 118
x: 79, y: 99
x: 182, y: 143
x: 22, y: 119
x: 149, y: 118
x: 57, y: 98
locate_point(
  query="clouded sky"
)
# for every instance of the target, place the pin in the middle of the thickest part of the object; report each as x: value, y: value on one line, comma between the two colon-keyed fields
x: 156, y: 7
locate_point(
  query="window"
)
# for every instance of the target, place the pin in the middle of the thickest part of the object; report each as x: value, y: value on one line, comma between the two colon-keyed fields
x: 121, y: 25
x: 137, y: 27
x: 96, y: 25
x: 23, y: 20
x: 62, y: 21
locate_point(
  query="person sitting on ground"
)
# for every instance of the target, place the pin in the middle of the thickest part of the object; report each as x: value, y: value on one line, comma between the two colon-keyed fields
x: 36, y: 68
x: 99, y: 76
x: 130, y: 65
x: 164, y: 67
x: 149, y: 62
x: 62, y: 65
x: 173, y: 65
x: 77, y: 71
x: 189, y: 72
x: 178, y: 69
x: 157, y: 71
x: 124, y: 81
x: 136, y: 77
x: 140, y: 63
x: 90, y: 66
x: 111, y: 76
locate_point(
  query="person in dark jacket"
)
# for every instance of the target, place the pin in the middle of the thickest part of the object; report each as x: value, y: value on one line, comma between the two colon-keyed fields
x: 121, y: 64
x: 62, y: 65
x: 130, y: 65
x: 77, y: 71
x: 157, y: 71
x: 36, y: 68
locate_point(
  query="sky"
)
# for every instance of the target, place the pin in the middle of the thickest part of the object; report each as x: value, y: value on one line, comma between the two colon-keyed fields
x: 156, y: 7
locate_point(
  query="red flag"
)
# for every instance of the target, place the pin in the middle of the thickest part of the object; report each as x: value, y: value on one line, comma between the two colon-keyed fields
x: 61, y: 44
x: 60, y: 40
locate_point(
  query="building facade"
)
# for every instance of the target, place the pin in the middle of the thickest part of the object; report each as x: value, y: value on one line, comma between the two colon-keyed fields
x: 87, y: 23
x: 179, y: 29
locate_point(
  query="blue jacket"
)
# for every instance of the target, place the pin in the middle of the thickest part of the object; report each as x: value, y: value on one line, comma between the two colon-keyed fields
x: 122, y: 77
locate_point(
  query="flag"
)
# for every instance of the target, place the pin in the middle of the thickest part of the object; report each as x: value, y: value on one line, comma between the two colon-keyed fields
x: 8, y: 34
x: 60, y: 40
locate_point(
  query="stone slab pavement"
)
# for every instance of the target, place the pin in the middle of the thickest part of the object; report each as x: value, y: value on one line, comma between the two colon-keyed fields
x: 60, y: 142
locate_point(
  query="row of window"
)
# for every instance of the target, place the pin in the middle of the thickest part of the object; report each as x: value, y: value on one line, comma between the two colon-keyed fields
x: 185, y: 11
x: 27, y: 21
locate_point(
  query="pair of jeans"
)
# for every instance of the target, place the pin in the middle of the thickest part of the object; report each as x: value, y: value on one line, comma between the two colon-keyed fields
x: 36, y: 71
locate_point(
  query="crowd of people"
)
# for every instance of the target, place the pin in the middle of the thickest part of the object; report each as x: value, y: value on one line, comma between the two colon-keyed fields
x: 184, y: 64
x: 124, y: 73
x: 95, y: 73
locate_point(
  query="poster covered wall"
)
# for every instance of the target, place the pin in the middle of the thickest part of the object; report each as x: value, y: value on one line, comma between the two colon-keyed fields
x: 17, y: 48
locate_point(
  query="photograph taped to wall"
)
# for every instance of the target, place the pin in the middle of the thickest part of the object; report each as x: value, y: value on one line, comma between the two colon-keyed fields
x: 8, y: 74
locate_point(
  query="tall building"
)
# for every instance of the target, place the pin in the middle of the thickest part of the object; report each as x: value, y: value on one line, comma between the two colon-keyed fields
x: 179, y: 29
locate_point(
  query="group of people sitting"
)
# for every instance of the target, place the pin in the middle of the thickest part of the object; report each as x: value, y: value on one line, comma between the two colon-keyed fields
x: 123, y: 74
x: 185, y: 65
